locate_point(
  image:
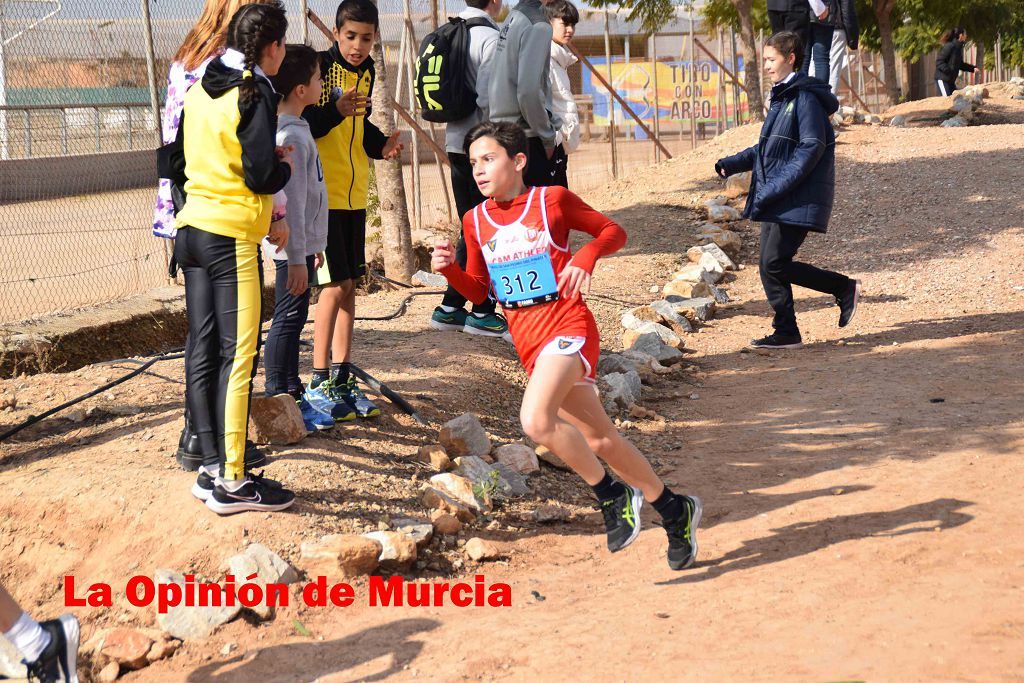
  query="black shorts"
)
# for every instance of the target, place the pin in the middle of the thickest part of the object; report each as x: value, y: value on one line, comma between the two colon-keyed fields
x: 345, y: 255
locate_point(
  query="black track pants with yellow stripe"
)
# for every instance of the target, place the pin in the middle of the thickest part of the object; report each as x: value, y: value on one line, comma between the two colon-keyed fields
x: 223, y: 282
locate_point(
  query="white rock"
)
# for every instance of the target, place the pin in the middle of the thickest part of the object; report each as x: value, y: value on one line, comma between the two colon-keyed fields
x: 429, y: 279
x: 724, y: 213
x: 398, y: 550
x: 465, y: 436
x: 652, y: 345
x: 191, y: 623
x: 713, y: 270
x: 955, y: 122
x: 418, y: 529
x: 519, y: 457
x: 624, y: 388
x: 10, y: 661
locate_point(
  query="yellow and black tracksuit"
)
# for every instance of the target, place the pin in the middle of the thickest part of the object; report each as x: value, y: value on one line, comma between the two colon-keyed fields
x: 224, y: 156
x: 346, y: 145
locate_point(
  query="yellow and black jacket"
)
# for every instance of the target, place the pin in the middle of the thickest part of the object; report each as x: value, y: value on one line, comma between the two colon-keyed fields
x: 224, y: 155
x: 346, y: 145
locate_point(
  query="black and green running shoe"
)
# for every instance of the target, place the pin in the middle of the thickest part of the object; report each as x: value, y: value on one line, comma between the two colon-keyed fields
x: 622, y: 518
x: 454, y: 321
x: 682, y: 534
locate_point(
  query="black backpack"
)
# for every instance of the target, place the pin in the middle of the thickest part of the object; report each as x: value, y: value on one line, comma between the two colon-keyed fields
x: 442, y: 86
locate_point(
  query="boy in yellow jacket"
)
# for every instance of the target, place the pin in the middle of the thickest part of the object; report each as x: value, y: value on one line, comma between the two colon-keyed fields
x: 347, y: 140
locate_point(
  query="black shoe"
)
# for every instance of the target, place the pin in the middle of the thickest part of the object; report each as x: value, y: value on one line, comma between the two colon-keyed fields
x: 682, y: 534
x: 190, y: 457
x: 256, y: 493
x: 848, y: 303
x: 205, y: 484
x: 778, y: 341
x: 622, y: 518
x: 59, y: 661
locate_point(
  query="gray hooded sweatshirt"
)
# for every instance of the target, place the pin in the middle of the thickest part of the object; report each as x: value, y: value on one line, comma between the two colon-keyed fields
x: 519, y: 89
x: 307, y: 194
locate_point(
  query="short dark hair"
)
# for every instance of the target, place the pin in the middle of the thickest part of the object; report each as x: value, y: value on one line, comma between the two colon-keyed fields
x: 788, y: 43
x: 363, y: 11
x: 299, y: 65
x: 478, y: 4
x: 564, y: 10
x: 510, y: 136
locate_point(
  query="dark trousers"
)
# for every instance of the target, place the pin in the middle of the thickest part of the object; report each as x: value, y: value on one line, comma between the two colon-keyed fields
x: 281, y: 357
x: 541, y: 171
x: 818, y: 51
x: 223, y: 285
x: 779, y: 272
x: 467, y: 196
x: 796, y: 20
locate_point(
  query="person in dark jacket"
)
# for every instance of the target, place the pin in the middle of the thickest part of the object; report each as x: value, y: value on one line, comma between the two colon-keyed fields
x: 790, y: 15
x: 950, y: 61
x: 792, y: 188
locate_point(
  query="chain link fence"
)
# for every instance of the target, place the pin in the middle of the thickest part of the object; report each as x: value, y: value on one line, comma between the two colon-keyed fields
x: 80, y: 108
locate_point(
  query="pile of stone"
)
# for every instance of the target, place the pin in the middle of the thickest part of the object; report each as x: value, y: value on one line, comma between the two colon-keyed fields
x: 653, y: 335
x: 1017, y: 88
x: 847, y: 116
x: 966, y: 103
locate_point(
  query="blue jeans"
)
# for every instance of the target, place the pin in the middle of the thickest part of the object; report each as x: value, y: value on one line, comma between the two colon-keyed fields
x: 818, y: 49
x: 281, y: 352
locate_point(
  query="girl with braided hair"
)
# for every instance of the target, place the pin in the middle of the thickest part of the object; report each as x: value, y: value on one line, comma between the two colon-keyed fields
x: 230, y: 168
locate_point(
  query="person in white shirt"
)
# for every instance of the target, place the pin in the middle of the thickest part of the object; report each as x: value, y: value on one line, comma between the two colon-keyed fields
x: 563, y: 17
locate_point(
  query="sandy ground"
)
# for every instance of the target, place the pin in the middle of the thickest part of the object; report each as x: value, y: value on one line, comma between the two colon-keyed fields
x: 861, y: 494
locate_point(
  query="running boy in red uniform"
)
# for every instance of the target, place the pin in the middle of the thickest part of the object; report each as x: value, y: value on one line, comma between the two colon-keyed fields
x: 517, y: 244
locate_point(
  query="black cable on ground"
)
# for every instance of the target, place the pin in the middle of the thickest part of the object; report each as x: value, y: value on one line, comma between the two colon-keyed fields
x: 109, y: 385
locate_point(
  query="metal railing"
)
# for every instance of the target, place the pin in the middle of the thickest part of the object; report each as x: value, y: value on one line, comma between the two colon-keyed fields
x: 68, y: 130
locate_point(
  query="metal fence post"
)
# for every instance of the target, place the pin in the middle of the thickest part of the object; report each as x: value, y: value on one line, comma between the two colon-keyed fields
x: 154, y: 99
x: 28, y: 133
x: 64, y: 131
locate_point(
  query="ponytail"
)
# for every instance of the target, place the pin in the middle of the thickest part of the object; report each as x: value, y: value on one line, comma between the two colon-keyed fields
x: 252, y: 29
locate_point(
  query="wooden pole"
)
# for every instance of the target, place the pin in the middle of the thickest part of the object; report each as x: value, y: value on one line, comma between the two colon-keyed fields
x: 611, y: 90
x: 417, y: 184
x: 693, y: 83
x: 657, y: 104
x: 737, y: 114
x: 720, y: 120
x: 622, y: 103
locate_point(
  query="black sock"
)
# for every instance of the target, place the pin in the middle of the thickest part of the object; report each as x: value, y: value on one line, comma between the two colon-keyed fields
x: 339, y: 373
x: 608, y: 488
x: 319, y: 376
x: 669, y: 505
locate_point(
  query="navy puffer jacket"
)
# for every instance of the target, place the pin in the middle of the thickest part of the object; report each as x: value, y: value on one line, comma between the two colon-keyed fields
x: 794, y: 162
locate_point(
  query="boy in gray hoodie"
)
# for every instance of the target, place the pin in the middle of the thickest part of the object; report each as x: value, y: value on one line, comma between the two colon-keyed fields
x: 520, y: 91
x: 298, y: 82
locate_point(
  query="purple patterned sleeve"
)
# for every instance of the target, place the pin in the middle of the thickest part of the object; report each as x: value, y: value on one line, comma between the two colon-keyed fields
x: 178, y: 82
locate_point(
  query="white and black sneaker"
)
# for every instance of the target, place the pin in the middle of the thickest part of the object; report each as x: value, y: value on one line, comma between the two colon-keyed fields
x: 59, y: 661
x: 255, y: 493
x: 778, y: 341
x: 205, y: 484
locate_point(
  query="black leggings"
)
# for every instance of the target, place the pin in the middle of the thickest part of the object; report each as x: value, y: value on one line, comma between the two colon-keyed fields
x: 281, y: 357
x: 467, y: 196
x: 779, y: 272
x: 223, y: 285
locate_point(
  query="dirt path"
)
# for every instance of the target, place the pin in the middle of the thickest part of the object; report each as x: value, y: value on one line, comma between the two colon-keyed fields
x: 861, y: 494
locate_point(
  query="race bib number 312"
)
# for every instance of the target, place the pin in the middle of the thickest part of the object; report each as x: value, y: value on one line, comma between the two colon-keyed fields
x: 524, y: 282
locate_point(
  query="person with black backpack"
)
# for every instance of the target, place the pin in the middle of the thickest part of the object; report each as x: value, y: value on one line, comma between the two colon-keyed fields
x: 451, y: 84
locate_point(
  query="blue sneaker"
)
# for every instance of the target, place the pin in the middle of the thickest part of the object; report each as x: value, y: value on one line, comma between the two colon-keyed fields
x: 490, y: 325
x: 351, y: 394
x: 454, y: 321
x: 316, y: 420
x: 320, y: 398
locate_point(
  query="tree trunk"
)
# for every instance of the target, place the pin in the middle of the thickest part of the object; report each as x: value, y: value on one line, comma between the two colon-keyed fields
x: 399, y: 261
x: 883, y: 13
x: 751, y: 68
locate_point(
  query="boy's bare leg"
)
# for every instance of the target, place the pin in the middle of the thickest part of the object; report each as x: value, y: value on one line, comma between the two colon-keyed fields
x: 341, y: 342
x: 324, y: 324
x: 553, y: 378
x: 582, y: 408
